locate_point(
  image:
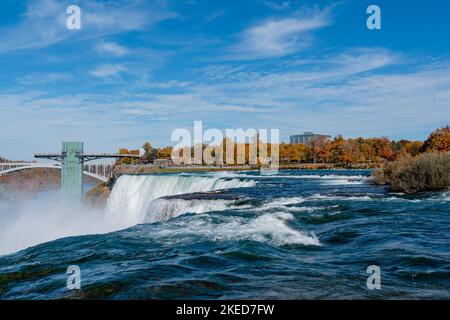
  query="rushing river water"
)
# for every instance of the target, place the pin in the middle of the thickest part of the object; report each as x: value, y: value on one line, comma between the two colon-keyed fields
x: 297, y: 235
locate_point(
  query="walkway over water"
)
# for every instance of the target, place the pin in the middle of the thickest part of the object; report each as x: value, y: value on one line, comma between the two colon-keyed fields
x: 100, y: 172
x: 72, y: 165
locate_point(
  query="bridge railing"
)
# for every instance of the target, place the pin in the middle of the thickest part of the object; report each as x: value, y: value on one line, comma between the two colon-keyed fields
x: 89, y: 155
x: 103, y: 170
x: 109, y: 155
x: 43, y: 155
x: 11, y: 165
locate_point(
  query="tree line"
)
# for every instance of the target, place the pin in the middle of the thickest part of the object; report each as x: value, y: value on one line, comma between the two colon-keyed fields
x: 372, y: 151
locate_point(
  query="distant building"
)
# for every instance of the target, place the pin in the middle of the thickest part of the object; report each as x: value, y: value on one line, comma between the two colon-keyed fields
x: 163, y: 162
x: 307, y: 138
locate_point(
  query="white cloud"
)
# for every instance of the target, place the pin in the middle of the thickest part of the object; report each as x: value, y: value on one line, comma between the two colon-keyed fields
x: 279, y: 37
x: 108, y: 70
x: 366, y: 59
x: 44, y: 78
x: 111, y: 48
x: 44, y: 22
x: 171, y: 84
x: 353, y: 93
x: 284, y: 5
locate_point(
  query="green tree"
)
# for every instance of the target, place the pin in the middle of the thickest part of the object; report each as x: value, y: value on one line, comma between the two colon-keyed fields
x: 150, y: 153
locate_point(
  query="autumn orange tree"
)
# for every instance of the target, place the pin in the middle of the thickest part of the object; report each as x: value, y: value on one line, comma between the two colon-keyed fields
x: 294, y: 152
x: 164, y: 153
x: 127, y: 160
x: 439, y: 140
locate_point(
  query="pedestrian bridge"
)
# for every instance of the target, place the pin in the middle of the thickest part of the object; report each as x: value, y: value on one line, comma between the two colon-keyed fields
x: 72, y: 163
x: 100, y: 172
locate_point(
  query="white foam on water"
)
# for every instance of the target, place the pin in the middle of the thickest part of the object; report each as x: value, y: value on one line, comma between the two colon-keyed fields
x: 131, y: 199
x: 330, y: 179
x: 394, y: 199
x: 165, y: 209
x: 326, y: 176
x: 279, y: 203
x: 309, y: 176
x: 305, y: 209
x: 367, y: 198
x: 338, y: 182
x: 286, y: 200
x: 269, y: 228
x: 331, y: 197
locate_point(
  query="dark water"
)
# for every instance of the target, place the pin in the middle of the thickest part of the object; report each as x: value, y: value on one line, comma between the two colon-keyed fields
x: 297, y: 235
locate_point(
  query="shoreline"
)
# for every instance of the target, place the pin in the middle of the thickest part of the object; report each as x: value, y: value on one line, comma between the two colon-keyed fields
x: 141, y: 169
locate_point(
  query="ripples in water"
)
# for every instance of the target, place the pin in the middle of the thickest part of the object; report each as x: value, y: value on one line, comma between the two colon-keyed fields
x: 301, y: 234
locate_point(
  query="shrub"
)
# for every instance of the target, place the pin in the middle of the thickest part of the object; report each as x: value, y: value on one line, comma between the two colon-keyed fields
x: 426, y: 172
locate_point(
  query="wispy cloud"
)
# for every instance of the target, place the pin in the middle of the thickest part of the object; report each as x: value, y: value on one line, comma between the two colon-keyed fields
x: 121, y: 88
x: 279, y: 37
x: 44, y: 22
x: 167, y: 85
x: 284, y: 5
x: 111, y: 48
x: 44, y: 78
x: 342, y: 95
x: 108, y: 70
x: 215, y: 15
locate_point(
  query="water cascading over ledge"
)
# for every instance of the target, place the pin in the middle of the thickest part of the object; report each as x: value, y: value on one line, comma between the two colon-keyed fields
x: 134, y: 196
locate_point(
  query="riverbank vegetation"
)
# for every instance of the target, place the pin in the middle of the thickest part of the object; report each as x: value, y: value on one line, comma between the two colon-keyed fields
x: 372, y: 152
x: 426, y: 172
x: 429, y: 170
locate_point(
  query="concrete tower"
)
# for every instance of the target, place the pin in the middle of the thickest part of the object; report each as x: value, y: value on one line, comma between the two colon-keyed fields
x: 72, y: 170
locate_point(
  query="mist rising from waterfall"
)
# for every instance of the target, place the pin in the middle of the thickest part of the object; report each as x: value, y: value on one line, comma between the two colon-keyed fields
x: 133, y: 200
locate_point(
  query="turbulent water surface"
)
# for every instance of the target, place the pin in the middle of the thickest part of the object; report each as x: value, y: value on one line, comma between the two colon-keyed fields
x: 295, y: 235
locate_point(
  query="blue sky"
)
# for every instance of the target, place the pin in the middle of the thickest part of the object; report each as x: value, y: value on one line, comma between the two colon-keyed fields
x: 137, y: 70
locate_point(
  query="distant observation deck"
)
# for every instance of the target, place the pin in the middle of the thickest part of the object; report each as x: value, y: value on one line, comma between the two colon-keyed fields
x: 72, y: 159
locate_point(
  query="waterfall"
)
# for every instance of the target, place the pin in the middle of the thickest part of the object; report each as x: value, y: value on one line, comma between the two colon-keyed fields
x: 134, y: 197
